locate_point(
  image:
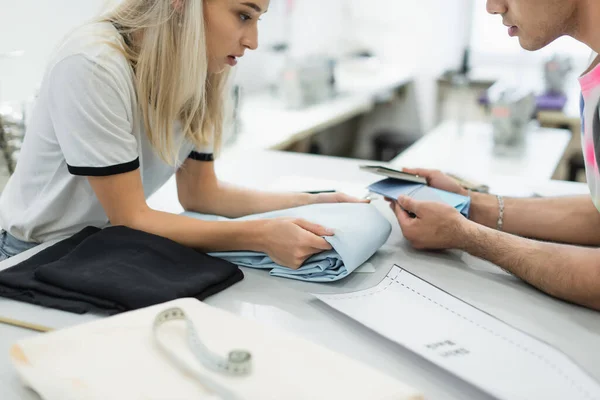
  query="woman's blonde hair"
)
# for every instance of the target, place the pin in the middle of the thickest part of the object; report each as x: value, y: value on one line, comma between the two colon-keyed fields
x: 171, y: 72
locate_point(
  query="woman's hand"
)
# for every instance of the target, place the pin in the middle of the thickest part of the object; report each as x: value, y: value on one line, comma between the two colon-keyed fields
x: 291, y: 241
x: 336, y: 197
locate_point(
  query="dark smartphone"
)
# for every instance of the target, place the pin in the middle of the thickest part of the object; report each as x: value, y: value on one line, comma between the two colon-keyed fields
x: 393, y: 173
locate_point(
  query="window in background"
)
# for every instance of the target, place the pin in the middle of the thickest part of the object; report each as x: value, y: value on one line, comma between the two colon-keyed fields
x: 36, y: 27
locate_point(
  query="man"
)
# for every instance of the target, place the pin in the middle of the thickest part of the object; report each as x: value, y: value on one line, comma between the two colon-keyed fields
x: 498, y: 228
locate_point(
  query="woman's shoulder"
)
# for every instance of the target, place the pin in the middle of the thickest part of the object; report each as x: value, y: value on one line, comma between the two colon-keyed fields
x: 98, y: 42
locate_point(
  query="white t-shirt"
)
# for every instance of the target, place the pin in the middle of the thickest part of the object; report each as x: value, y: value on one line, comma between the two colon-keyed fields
x: 86, y: 122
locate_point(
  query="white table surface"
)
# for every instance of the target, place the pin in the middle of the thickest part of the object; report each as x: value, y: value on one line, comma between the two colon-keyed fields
x: 469, y: 151
x: 287, y: 305
x: 267, y: 125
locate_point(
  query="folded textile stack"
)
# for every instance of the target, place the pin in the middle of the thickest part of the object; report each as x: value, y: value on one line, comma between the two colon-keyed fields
x: 114, y: 270
x: 360, y: 230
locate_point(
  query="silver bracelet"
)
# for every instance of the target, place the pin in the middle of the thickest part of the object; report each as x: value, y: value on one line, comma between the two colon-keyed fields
x: 500, y: 222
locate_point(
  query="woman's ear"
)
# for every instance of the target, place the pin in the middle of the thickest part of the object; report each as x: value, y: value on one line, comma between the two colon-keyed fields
x: 178, y: 5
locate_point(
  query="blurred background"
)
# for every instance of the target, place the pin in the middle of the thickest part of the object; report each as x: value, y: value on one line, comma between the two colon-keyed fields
x: 367, y: 79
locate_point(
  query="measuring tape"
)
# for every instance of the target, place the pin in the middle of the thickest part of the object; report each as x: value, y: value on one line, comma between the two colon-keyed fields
x: 238, y: 363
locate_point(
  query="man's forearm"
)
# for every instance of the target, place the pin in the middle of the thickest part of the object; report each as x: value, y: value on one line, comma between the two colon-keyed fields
x: 573, y: 220
x: 567, y: 272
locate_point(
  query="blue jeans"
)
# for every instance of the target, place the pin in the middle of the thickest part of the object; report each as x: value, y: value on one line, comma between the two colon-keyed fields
x: 11, y: 246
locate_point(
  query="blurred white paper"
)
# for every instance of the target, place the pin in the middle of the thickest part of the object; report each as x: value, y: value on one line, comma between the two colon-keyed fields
x: 475, y: 346
x: 307, y: 184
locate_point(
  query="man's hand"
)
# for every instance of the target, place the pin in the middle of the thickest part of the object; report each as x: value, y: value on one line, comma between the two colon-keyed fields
x: 439, y: 180
x: 430, y: 225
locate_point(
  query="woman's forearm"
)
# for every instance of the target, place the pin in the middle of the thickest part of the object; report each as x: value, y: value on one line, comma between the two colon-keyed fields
x: 206, y: 236
x: 233, y: 201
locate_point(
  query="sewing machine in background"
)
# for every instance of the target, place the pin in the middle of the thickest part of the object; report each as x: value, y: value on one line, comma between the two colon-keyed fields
x: 12, y: 133
x: 307, y: 82
x: 511, y: 109
x: 556, y: 71
x: 551, y: 92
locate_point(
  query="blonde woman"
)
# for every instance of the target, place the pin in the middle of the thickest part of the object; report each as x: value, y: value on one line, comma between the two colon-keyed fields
x: 127, y: 102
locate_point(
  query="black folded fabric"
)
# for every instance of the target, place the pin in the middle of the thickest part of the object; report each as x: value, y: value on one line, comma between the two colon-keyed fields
x: 114, y: 270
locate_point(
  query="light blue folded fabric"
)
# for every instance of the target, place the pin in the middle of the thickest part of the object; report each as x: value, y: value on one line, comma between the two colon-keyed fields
x: 360, y: 230
x: 393, y: 188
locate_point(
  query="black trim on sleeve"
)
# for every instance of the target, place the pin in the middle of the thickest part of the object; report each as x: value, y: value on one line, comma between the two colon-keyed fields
x: 105, y: 171
x: 194, y: 155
